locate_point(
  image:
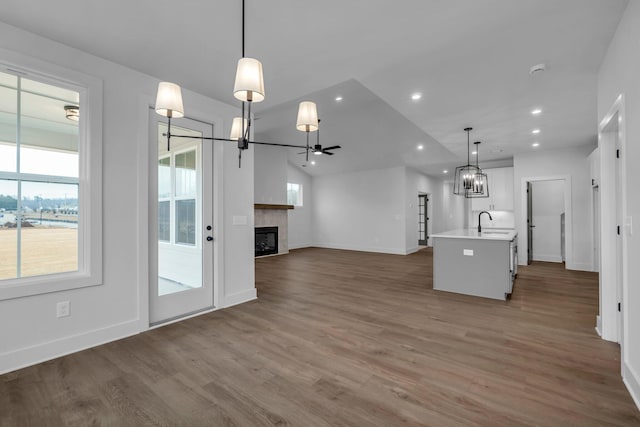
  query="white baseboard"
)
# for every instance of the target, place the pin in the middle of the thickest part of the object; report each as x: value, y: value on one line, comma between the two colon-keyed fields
x: 240, y: 297
x: 599, y: 325
x: 411, y: 251
x: 580, y: 266
x: 632, y: 381
x: 301, y: 246
x: 392, y: 251
x: 27, y: 356
x: 547, y: 258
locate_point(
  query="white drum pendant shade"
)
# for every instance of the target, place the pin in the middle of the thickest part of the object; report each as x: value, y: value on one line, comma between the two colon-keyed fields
x: 249, y: 80
x: 169, y: 100
x: 237, y: 127
x: 307, y: 117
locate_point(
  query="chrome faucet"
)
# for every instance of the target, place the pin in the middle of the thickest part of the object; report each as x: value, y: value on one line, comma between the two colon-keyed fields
x: 479, y: 215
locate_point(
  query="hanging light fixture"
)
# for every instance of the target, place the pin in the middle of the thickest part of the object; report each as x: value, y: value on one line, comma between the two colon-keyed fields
x: 480, y: 185
x: 248, y: 88
x: 464, y: 175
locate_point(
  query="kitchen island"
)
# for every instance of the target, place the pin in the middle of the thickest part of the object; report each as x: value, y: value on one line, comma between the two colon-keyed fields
x: 470, y: 262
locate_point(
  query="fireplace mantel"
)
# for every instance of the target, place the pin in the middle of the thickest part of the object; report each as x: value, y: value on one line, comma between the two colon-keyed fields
x: 272, y: 206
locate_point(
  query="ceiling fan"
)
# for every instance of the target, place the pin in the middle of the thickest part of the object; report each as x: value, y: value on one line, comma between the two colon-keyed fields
x: 317, y: 149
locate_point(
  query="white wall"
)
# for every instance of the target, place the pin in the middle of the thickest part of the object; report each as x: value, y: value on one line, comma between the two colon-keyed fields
x: 119, y: 307
x: 377, y: 210
x: 548, y: 205
x: 270, y: 175
x: 619, y: 75
x: 452, y: 211
x: 574, y: 164
x: 301, y: 224
x: 362, y: 211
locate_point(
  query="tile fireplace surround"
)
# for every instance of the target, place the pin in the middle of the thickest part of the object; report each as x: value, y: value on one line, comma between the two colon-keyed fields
x: 274, y: 216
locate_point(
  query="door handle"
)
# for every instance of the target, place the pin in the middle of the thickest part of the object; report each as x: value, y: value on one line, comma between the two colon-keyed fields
x: 532, y: 226
x: 209, y: 238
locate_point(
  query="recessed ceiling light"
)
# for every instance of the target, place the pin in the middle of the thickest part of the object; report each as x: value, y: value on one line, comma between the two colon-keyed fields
x: 313, y: 162
x: 338, y: 98
x: 535, y: 131
x: 535, y: 144
x: 536, y: 111
x: 416, y: 96
x: 474, y: 152
x: 538, y: 68
x: 420, y: 147
x: 445, y: 171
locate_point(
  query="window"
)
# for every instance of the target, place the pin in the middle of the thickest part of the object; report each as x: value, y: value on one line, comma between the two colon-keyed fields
x: 178, y: 190
x: 294, y: 194
x: 50, y: 186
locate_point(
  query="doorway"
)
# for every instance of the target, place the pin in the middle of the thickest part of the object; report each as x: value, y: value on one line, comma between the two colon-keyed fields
x: 423, y: 219
x: 545, y: 221
x: 181, y: 219
x: 613, y: 227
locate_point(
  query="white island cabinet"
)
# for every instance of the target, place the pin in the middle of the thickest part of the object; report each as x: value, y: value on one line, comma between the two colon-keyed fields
x: 475, y: 263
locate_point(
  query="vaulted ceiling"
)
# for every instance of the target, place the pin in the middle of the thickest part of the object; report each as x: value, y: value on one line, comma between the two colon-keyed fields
x: 469, y: 59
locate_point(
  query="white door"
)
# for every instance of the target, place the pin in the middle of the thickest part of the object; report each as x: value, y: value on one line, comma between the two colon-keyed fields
x: 180, y: 219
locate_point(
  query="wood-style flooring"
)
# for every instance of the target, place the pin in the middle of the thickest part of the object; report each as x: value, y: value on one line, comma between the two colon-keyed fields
x: 341, y: 338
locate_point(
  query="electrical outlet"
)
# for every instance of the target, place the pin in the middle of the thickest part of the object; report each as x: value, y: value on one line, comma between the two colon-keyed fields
x: 62, y: 309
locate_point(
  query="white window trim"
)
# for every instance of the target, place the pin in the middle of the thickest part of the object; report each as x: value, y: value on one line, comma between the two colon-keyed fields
x: 90, y: 177
x: 300, y: 200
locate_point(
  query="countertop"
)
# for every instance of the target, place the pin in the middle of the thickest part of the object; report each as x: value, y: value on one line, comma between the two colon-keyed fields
x: 488, y: 234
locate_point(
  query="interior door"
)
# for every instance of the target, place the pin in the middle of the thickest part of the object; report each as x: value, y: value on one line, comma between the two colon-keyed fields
x: 423, y: 234
x: 181, y: 219
x: 530, y: 225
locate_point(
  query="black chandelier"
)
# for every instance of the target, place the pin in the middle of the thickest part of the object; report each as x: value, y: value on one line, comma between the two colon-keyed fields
x: 464, y: 175
x: 248, y: 88
x: 480, y: 184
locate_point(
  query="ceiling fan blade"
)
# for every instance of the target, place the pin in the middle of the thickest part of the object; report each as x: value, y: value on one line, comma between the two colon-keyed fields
x: 302, y: 152
x: 328, y: 153
x: 334, y: 147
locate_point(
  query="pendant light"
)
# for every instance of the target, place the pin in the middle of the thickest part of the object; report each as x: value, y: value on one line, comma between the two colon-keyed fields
x: 480, y: 186
x: 248, y: 88
x: 464, y: 175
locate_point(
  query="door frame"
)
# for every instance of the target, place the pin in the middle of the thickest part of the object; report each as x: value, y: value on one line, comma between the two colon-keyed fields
x: 203, y: 294
x: 610, y: 324
x: 198, y: 112
x: 568, y: 215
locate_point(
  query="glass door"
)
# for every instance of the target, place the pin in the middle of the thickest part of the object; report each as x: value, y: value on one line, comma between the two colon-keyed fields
x: 423, y: 236
x: 181, y: 218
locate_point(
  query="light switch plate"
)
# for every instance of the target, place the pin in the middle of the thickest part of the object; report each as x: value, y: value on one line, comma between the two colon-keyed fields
x: 467, y: 252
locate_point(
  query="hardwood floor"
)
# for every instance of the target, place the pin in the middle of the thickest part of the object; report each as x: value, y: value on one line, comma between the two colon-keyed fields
x: 342, y: 338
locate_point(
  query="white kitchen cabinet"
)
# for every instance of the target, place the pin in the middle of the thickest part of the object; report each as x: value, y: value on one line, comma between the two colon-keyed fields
x: 500, y: 191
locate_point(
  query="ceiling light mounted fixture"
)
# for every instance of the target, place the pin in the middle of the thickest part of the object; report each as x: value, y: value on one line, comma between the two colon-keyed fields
x: 480, y: 185
x: 416, y: 96
x: 464, y: 175
x: 72, y: 112
x: 536, y: 111
x: 538, y: 68
x: 535, y: 131
x: 535, y: 144
x: 248, y: 88
x: 420, y: 147
x: 338, y: 98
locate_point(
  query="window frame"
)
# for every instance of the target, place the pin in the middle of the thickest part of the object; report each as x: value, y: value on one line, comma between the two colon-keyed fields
x: 90, y: 89
x: 299, y: 193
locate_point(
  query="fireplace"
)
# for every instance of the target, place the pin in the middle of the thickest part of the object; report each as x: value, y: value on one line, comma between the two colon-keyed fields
x: 266, y: 241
